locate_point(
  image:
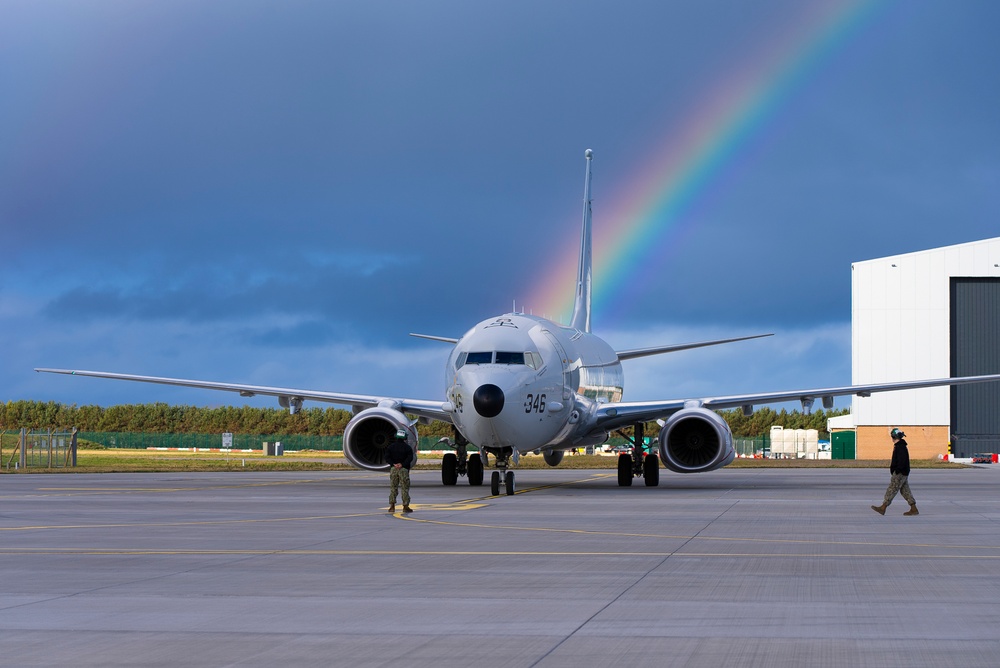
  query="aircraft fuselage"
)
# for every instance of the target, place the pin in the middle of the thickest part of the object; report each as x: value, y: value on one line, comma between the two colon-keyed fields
x: 523, y: 382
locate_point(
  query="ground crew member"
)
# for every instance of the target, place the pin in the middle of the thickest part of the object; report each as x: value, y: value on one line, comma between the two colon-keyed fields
x: 399, y: 456
x: 899, y: 471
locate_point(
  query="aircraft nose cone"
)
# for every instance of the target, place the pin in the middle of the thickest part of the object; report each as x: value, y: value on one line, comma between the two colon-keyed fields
x: 488, y: 400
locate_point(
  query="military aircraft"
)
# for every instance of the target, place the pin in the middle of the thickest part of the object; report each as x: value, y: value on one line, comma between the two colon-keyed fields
x: 519, y: 383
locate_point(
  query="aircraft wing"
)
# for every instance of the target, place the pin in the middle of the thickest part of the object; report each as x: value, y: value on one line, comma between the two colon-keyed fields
x: 286, y: 396
x: 612, y: 415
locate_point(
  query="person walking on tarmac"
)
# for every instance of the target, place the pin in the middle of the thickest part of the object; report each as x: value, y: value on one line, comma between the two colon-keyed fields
x: 399, y: 456
x: 899, y: 471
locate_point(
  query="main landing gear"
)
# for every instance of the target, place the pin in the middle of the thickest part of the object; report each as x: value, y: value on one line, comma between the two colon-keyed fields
x: 638, y: 463
x: 455, y: 464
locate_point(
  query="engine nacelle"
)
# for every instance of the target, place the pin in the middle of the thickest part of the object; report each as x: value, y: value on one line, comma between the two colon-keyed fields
x: 695, y: 440
x: 370, y: 432
x: 553, y: 457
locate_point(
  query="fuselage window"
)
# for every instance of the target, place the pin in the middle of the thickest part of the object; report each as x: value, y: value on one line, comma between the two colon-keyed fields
x: 601, y: 383
x: 510, y: 358
x: 479, y: 358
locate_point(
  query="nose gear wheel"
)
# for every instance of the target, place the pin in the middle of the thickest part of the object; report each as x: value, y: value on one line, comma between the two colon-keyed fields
x: 502, y: 478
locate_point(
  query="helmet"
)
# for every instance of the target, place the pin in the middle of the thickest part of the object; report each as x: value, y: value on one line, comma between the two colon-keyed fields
x: 896, y: 434
x: 401, y: 434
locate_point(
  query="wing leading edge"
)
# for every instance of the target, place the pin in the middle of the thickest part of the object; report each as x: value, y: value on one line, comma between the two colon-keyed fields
x: 612, y: 415
x: 287, y: 397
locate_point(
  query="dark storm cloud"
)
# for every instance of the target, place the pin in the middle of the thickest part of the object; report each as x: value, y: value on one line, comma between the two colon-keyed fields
x: 312, y: 177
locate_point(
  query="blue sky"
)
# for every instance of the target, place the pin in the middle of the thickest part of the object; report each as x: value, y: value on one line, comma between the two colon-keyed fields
x: 277, y: 193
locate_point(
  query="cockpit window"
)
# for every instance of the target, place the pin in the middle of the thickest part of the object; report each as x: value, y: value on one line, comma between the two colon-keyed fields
x: 509, y: 358
x: 479, y: 358
x: 529, y: 359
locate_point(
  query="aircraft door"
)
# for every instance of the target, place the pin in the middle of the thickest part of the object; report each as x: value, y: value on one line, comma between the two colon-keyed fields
x: 570, y: 375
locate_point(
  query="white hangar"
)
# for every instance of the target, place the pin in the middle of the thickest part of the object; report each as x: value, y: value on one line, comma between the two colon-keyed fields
x: 929, y: 314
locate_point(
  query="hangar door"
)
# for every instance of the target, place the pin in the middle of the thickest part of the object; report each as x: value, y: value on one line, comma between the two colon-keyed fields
x: 975, y: 350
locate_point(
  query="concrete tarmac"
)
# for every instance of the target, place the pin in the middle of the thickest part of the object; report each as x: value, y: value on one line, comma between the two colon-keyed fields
x: 738, y: 567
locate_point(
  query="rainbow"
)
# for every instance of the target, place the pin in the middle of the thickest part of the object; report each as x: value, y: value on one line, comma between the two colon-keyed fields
x: 693, y: 153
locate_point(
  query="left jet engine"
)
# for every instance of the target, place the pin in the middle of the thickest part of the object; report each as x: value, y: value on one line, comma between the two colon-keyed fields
x: 370, y: 432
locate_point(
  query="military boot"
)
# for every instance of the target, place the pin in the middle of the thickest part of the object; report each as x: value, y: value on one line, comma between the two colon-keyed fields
x: 913, y: 510
x: 407, y: 509
x: 392, y: 507
x: 879, y: 509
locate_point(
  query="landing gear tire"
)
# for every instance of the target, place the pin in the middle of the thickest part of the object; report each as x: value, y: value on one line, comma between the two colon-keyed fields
x: 449, y: 468
x: 509, y: 483
x: 495, y: 483
x: 475, y: 470
x: 651, y: 470
x: 624, y: 470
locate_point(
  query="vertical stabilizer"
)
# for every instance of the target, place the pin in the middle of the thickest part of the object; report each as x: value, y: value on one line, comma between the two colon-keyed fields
x: 581, y: 305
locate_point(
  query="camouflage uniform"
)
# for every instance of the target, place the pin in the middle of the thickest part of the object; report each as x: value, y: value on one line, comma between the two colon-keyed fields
x: 898, y: 483
x: 399, y: 478
x: 399, y: 456
x: 899, y: 470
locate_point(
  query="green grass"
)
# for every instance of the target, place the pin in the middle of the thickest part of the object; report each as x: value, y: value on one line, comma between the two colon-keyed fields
x: 112, y: 460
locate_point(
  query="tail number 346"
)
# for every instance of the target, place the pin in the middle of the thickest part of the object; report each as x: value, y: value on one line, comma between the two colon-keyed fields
x: 535, y: 403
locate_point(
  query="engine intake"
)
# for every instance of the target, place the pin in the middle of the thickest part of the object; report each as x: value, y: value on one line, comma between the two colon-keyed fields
x: 370, y: 432
x: 695, y: 440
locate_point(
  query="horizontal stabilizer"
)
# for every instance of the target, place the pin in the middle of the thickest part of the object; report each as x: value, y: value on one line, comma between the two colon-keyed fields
x: 658, y: 350
x: 446, y: 339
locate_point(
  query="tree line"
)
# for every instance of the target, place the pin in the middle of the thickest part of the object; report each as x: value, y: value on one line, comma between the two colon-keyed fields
x: 761, y: 421
x: 160, y: 418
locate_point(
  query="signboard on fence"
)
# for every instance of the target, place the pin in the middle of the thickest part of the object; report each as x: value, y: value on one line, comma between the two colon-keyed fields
x: 227, y: 441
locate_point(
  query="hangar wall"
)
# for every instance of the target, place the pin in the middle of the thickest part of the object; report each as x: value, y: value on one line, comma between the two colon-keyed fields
x: 901, y: 330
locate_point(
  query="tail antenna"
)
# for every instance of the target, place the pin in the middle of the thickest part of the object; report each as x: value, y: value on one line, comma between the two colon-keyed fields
x: 584, y: 277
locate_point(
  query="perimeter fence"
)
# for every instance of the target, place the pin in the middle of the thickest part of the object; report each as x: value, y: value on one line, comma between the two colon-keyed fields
x: 759, y: 446
x: 44, y: 447
x: 145, y: 440
x: 26, y: 449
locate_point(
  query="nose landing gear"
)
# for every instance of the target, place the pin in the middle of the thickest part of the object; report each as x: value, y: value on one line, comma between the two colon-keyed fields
x: 507, y: 482
x: 455, y: 464
x: 502, y: 477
